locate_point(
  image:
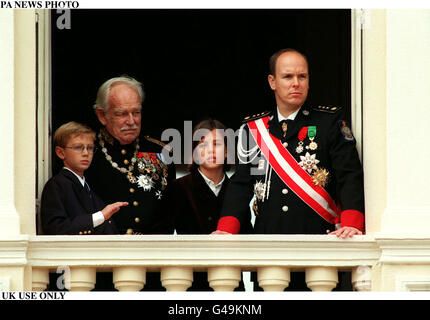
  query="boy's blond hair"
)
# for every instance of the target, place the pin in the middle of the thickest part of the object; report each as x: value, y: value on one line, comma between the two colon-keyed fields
x: 66, y: 131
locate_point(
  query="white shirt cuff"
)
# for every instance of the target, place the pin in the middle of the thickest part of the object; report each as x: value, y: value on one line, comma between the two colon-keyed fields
x: 98, y: 218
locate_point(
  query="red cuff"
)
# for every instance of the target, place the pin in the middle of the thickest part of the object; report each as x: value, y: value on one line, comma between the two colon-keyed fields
x: 352, y: 218
x: 229, y: 224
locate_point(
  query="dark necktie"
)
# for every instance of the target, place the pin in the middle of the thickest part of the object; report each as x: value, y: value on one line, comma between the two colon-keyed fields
x: 87, y: 188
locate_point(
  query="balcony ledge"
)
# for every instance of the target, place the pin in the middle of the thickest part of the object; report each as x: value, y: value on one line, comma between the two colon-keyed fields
x: 247, y: 251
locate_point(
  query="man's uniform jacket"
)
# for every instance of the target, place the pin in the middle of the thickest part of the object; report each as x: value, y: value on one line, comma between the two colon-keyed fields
x: 283, y: 212
x: 112, y: 185
x: 67, y: 207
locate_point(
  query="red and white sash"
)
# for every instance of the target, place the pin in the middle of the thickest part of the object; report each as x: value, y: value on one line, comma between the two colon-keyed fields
x: 291, y: 173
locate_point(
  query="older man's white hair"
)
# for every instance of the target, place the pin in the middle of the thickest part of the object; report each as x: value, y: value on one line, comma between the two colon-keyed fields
x: 102, y: 100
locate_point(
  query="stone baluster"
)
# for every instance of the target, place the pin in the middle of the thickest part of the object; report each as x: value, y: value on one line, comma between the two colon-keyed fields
x: 129, y: 278
x: 40, y: 279
x: 81, y: 279
x: 176, y: 278
x: 321, y: 278
x: 361, y: 278
x: 224, y: 278
x: 273, y: 278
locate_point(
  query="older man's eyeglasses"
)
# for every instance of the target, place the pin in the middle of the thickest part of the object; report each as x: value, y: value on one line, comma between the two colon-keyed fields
x: 82, y: 148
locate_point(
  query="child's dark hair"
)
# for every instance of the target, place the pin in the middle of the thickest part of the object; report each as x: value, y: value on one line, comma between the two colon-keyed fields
x: 209, y: 124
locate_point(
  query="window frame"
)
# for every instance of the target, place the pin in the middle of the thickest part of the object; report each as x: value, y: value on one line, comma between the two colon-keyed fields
x: 44, y: 87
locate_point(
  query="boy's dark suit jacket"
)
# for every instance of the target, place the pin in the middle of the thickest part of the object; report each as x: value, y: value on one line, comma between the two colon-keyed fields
x: 67, y: 207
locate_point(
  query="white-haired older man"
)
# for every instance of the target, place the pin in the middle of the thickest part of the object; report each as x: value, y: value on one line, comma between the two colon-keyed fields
x: 128, y: 165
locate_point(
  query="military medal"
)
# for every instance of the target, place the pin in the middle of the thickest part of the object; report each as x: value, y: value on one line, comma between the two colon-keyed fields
x: 259, y: 190
x: 255, y: 207
x: 145, y: 182
x: 309, y: 162
x: 141, y: 166
x: 155, y: 162
x: 313, y: 145
x: 299, y: 148
x: 312, y: 132
x: 302, y: 135
x: 320, y: 177
x: 149, y: 165
x: 161, y: 168
x: 163, y: 183
x: 155, y: 176
x: 284, y: 128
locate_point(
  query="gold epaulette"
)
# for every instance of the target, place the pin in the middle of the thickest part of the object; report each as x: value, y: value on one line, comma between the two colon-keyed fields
x: 168, y: 148
x: 256, y: 116
x: 328, y: 109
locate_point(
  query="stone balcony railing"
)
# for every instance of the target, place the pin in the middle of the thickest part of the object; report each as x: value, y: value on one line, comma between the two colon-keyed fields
x: 224, y: 257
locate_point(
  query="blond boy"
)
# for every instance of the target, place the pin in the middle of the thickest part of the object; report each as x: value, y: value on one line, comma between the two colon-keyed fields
x: 68, y: 204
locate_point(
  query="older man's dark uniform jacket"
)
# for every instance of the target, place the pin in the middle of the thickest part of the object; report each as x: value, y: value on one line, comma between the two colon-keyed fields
x: 193, y: 208
x: 142, y: 187
x: 283, y: 212
x: 67, y: 207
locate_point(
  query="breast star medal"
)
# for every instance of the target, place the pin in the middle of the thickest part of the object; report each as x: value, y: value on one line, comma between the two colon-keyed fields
x: 259, y: 190
x: 309, y: 162
x: 145, y: 182
x: 302, y: 135
x: 312, y: 132
x: 320, y: 177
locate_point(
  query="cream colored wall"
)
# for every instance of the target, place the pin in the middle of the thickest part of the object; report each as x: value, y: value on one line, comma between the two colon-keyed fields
x: 408, y: 118
x: 17, y: 122
x: 18, y: 136
x: 16, y: 277
x: 374, y: 117
x: 396, y: 119
x: 399, y: 277
x: 9, y: 218
x: 25, y: 118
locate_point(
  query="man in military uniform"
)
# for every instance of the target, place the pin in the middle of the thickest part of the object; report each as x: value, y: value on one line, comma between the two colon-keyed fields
x: 300, y: 162
x: 128, y: 166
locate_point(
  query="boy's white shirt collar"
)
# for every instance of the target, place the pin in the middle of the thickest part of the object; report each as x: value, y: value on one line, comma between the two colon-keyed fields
x: 81, y: 180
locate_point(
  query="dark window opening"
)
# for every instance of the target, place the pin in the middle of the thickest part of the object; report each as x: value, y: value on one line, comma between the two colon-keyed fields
x: 195, y: 63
